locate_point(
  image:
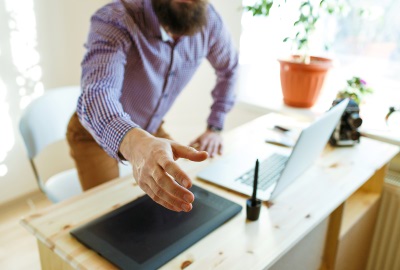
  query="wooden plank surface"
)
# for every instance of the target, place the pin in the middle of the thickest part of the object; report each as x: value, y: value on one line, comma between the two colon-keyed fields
x: 238, y: 244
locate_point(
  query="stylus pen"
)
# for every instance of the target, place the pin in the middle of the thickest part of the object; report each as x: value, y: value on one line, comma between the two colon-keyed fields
x: 255, y: 183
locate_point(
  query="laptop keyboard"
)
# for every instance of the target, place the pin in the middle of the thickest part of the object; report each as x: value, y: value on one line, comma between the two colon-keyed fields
x: 269, y: 171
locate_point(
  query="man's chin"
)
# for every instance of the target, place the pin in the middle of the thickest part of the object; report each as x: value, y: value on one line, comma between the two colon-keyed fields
x: 181, y: 17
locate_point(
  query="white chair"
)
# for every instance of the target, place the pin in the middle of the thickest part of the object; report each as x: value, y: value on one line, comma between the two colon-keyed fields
x: 43, y: 128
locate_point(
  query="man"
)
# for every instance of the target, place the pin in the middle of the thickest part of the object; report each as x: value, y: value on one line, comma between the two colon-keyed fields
x: 140, y: 55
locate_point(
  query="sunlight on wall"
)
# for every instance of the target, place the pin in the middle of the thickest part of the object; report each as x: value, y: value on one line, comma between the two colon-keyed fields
x: 261, y: 37
x: 23, y: 39
x: 25, y: 59
x: 6, y: 136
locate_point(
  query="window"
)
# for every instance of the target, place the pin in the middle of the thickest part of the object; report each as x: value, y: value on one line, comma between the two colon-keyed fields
x: 364, y: 42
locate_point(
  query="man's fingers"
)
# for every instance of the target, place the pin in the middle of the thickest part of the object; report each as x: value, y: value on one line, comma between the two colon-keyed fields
x: 182, y: 151
x: 172, y: 168
x: 162, y: 197
x: 220, y: 149
x: 165, y: 191
x: 212, y: 149
x: 175, y: 194
x: 159, y: 200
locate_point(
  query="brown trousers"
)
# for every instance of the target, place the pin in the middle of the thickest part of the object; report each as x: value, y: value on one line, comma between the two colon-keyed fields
x: 93, y: 164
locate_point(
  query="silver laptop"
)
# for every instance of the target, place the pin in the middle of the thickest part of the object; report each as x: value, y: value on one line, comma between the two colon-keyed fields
x: 276, y: 170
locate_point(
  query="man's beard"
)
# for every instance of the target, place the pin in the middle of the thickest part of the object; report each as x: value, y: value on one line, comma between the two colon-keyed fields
x: 181, y: 18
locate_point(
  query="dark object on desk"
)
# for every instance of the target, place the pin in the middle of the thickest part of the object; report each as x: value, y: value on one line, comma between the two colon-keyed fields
x: 392, y: 118
x: 280, y: 128
x: 346, y: 132
x: 253, y: 205
x: 145, y: 235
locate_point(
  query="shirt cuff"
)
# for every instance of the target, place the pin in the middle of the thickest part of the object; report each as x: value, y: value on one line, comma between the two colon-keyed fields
x: 217, y: 119
x: 113, y: 135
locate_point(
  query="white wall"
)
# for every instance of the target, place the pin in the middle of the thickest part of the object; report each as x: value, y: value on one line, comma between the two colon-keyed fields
x: 61, y: 31
x: 61, y: 28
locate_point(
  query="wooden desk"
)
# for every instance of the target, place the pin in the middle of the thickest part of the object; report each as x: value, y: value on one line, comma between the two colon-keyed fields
x: 345, y: 183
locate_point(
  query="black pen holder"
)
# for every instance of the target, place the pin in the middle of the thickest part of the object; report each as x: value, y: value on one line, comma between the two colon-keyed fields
x: 253, y: 210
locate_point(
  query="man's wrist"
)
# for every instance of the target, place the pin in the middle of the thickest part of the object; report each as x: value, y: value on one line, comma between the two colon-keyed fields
x: 214, y: 128
x: 131, y: 138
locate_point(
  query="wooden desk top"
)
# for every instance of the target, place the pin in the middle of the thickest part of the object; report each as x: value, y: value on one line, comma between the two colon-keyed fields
x: 238, y: 244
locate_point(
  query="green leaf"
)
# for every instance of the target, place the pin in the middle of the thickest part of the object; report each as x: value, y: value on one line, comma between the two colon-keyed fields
x: 304, y: 4
x: 303, y: 18
x: 262, y: 8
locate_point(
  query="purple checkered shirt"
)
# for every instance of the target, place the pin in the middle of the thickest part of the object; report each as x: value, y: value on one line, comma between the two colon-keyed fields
x: 132, y: 73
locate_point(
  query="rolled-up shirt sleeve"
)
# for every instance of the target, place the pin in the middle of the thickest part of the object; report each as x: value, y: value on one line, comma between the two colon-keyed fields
x: 99, y: 107
x: 223, y: 57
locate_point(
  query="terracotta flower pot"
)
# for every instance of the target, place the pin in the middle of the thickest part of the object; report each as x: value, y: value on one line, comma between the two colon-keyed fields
x: 301, y: 83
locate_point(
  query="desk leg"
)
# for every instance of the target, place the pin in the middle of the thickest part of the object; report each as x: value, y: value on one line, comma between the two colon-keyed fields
x: 332, y: 238
x: 49, y: 260
x: 351, y: 227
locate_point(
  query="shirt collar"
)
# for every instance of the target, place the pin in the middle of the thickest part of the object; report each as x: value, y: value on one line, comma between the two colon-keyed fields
x: 164, y: 35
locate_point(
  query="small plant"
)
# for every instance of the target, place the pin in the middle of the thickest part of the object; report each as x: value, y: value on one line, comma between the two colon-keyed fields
x: 310, y: 13
x: 356, y: 89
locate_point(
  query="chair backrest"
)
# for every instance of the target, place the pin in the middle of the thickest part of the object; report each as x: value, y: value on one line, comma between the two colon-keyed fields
x: 43, y: 127
x: 45, y: 120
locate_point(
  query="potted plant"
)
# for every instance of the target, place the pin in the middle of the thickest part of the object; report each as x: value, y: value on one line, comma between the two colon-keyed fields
x: 302, y: 75
x: 356, y: 89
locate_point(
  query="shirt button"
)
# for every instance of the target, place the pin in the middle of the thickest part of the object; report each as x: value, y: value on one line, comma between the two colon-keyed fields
x: 165, y: 95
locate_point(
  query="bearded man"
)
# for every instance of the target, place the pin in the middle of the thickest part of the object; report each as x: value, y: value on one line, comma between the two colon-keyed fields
x: 140, y: 56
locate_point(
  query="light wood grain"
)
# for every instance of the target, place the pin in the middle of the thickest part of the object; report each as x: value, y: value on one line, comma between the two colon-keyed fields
x: 375, y: 183
x: 355, y: 245
x: 15, y: 241
x: 356, y: 207
x: 49, y: 261
x: 238, y: 244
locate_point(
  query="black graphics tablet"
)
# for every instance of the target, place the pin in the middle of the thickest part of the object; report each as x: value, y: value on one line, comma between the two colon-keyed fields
x: 145, y: 235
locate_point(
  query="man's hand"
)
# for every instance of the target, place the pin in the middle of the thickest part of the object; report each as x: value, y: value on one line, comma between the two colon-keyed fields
x: 155, y: 170
x: 210, y: 141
